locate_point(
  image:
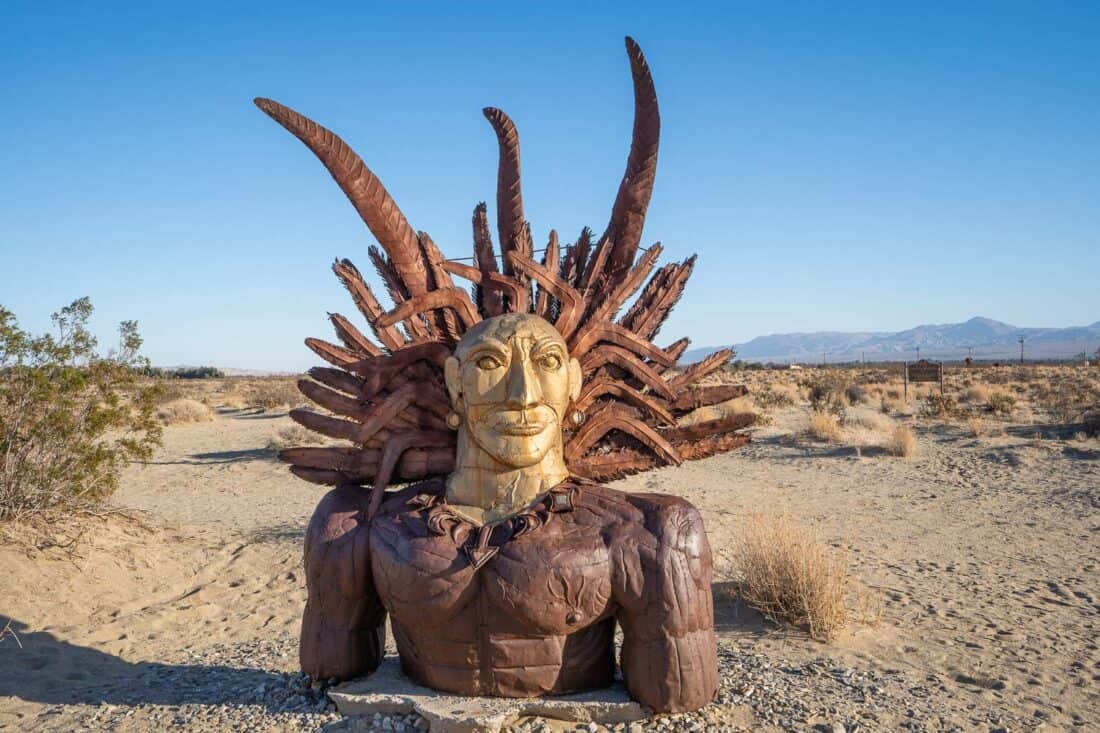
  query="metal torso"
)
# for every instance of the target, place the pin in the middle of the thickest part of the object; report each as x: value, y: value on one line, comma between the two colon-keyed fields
x: 518, y: 608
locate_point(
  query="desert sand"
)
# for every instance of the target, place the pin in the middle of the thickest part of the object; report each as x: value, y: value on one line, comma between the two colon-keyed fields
x: 982, y: 552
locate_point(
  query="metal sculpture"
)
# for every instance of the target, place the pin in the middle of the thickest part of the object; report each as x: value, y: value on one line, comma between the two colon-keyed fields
x: 505, y: 571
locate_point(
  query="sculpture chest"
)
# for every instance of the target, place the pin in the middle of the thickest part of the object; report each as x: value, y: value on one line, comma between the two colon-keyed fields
x: 497, y: 620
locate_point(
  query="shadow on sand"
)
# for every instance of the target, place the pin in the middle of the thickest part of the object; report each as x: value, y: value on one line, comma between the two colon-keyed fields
x: 38, y: 667
x: 732, y: 615
x: 223, y: 456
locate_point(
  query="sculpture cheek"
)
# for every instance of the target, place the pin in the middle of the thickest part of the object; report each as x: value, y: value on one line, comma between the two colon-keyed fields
x: 555, y: 391
x: 481, y: 386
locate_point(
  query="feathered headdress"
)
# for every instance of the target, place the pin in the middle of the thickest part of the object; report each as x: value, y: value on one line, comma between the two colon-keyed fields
x: 389, y: 400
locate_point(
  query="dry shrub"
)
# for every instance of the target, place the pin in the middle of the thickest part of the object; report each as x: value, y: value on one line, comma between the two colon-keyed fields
x: 290, y: 436
x: 826, y: 395
x: 716, y: 412
x: 1091, y: 423
x: 976, y: 394
x: 781, y: 394
x: 902, y: 443
x: 271, y: 394
x: 893, y: 404
x: 868, y: 420
x: 183, y: 410
x: 233, y: 400
x: 855, y: 394
x: 788, y: 575
x: 824, y: 426
x: 168, y: 391
x: 1001, y: 403
x: 976, y: 427
x: 940, y: 405
x: 1069, y: 400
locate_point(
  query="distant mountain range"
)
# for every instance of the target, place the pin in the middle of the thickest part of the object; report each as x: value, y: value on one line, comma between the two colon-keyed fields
x: 984, y: 337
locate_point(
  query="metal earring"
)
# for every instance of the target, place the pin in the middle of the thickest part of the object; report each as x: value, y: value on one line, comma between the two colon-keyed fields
x: 576, y: 417
x: 454, y: 420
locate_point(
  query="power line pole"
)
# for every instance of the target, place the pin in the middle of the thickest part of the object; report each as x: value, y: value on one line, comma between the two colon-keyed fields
x: 1021, y: 340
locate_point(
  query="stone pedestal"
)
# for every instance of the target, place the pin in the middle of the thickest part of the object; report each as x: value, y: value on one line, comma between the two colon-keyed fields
x: 389, y: 691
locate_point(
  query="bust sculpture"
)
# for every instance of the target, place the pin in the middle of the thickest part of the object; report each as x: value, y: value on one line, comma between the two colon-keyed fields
x: 504, y: 566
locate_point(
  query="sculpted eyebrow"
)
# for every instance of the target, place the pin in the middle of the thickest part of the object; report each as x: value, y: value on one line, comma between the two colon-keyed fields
x: 491, y: 347
x: 547, y: 344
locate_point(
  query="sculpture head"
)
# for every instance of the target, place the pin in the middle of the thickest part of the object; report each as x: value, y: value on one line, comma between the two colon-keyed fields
x: 601, y: 294
x: 511, y: 381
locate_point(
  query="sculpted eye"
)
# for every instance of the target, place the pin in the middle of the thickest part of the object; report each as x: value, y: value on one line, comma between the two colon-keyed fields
x: 488, y: 363
x: 550, y: 362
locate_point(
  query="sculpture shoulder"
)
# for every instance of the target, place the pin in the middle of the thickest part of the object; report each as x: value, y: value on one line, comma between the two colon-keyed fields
x: 642, y: 517
x: 339, y: 512
x: 658, y: 549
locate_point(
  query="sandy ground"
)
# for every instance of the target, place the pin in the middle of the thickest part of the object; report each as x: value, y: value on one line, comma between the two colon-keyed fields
x: 983, y: 552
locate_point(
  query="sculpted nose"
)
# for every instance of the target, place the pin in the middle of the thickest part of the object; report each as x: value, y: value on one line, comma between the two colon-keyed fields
x: 523, y: 386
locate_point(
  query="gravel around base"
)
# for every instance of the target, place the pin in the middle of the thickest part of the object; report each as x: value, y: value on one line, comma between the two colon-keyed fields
x: 243, y: 687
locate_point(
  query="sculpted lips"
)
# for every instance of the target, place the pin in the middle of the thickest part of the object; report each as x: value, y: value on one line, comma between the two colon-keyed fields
x: 522, y: 428
x: 519, y: 423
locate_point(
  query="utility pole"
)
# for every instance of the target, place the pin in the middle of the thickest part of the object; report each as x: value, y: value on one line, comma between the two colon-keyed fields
x: 918, y: 353
x: 1021, y: 340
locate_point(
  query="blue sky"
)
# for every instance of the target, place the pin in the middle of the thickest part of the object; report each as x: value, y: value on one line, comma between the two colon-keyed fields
x: 837, y: 166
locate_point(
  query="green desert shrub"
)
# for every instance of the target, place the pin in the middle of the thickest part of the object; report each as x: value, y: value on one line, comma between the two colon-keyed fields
x: 70, y: 417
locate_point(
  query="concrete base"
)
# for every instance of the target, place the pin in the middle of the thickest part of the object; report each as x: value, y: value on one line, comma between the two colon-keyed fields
x: 389, y: 691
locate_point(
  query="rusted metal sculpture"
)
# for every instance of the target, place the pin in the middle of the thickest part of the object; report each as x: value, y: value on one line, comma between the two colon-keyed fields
x: 505, y: 570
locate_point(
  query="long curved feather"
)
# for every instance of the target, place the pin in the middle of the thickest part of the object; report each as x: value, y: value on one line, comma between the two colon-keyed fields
x: 365, y: 191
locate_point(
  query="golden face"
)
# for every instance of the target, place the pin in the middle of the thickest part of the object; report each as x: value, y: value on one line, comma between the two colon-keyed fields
x: 511, y: 380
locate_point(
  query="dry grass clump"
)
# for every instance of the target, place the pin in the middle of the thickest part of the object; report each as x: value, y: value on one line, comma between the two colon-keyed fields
x: 788, y: 575
x: 902, y: 443
x: 780, y: 394
x: 290, y: 436
x: 1001, y: 403
x: 865, y: 419
x: 892, y: 402
x: 183, y: 410
x: 1069, y: 399
x: 826, y: 394
x: 233, y: 400
x: 976, y: 427
x: 735, y: 406
x: 977, y: 394
x: 943, y: 406
x: 271, y: 394
x: 824, y: 426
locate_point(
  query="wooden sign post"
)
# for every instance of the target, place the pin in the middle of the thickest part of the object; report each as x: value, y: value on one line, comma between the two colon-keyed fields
x: 922, y: 371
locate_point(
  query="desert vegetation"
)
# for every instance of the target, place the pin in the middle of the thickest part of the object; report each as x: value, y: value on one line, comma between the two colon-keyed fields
x: 790, y: 576
x: 71, y: 417
x: 183, y: 410
x: 838, y: 403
